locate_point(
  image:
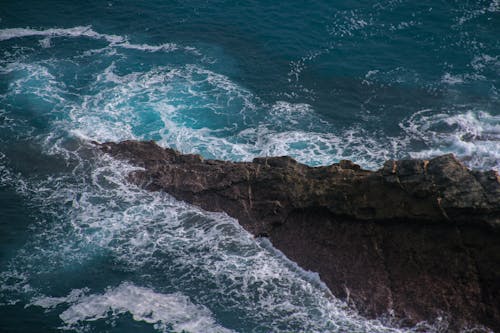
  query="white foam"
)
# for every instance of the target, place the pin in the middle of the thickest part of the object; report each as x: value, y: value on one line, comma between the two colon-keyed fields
x: 298, y: 66
x: 193, y: 105
x: 80, y: 31
x: 451, y: 79
x: 494, y: 6
x: 168, y: 47
x: 48, y: 302
x: 95, y: 210
x: 4, y: 173
x: 46, y: 42
x: 485, y: 61
x: 179, y: 247
x: 473, y: 13
x: 310, y: 276
x: 176, y: 96
x: 371, y: 73
x: 474, y: 136
x: 346, y: 23
x: 293, y: 113
x: 165, y: 311
x: 87, y: 32
x: 404, y: 25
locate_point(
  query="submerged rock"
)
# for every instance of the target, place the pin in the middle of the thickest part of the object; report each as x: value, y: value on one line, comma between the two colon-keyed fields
x: 418, y: 238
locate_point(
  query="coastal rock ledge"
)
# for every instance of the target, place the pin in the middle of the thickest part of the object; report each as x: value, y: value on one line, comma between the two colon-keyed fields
x: 419, y: 239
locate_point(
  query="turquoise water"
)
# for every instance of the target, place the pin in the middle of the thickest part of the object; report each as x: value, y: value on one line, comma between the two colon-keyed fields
x: 83, y: 250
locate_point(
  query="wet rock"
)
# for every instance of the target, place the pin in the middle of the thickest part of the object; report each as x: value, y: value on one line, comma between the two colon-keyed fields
x: 417, y: 238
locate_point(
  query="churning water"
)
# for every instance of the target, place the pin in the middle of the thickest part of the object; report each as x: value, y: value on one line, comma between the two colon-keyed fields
x: 83, y: 250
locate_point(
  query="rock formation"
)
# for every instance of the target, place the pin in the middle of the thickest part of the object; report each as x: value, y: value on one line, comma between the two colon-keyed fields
x: 417, y: 238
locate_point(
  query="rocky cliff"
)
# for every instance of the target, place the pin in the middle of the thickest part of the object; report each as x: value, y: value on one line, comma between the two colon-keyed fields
x: 417, y: 238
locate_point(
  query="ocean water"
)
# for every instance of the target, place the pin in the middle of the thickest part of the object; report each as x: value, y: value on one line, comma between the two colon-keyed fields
x: 82, y: 250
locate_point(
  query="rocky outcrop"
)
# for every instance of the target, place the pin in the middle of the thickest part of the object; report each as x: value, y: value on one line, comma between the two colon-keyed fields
x: 417, y: 238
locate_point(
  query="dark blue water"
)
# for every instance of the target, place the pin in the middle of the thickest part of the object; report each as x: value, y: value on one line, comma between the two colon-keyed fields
x: 83, y: 250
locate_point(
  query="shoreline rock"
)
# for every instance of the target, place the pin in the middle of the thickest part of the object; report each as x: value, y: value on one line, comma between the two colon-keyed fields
x: 417, y: 238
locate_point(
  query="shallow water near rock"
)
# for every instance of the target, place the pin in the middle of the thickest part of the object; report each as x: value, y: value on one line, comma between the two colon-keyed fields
x: 82, y: 249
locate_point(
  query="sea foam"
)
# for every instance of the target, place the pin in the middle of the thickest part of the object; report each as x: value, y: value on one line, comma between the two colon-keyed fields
x: 474, y: 136
x: 87, y: 32
x: 202, y: 263
x: 167, y: 312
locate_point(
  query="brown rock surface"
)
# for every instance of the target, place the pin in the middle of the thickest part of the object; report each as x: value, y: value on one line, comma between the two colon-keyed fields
x: 417, y: 238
